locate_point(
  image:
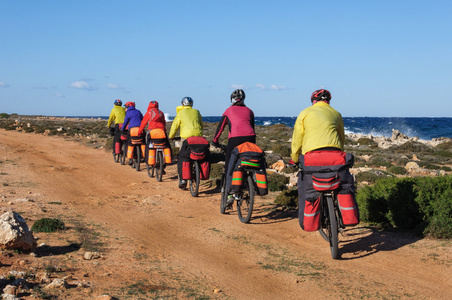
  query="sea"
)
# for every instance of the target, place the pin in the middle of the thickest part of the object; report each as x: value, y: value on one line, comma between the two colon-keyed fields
x: 424, y: 128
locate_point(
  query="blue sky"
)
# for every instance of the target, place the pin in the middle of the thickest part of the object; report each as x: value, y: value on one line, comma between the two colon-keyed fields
x: 377, y: 58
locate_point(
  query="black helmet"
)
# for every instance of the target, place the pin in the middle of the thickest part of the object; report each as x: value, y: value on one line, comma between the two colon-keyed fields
x: 321, y: 95
x: 187, y: 101
x: 118, y: 102
x: 238, y: 96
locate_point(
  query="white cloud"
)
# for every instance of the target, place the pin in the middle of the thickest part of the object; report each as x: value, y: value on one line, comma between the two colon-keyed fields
x: 82, y: 85
x: 277, y: 87
x: 2, y: 84
x: 60, y: 95
x: 238, y: 86
x: 114, y: 86
x: 272, y: 87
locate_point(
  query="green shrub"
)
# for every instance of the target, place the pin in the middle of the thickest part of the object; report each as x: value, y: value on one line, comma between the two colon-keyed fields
x: 379, y: 161
x: 282, y: 149
x: 412, y: 147
x: 288, y: 198
x: 370, y: 177
x: 443, y: 153
x: 277, y: 182
x: 48, y: 225
x: 216, y: 170
x: 410, y: 203
x: 397, y: 170
x: 4, y: 115
x: 446, y: 168
x: 445, y: 146
x: 367, y: 142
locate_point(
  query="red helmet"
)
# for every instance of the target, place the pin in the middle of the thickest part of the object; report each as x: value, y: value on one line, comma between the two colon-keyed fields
x: 130, y: 103
x: 321, y: 95
x: 153, y: 104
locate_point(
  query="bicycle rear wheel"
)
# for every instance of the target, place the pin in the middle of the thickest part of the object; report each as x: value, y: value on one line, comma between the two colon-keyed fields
x: 333, y: 232
x: 246, y: 203
x: 138, y: 161
x: 124, y: 153
x: 194, y: 181
x: 159, y: 165
x: 223, y: 194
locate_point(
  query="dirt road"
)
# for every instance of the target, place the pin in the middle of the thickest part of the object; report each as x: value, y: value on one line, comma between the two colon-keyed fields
x: 173, y: 245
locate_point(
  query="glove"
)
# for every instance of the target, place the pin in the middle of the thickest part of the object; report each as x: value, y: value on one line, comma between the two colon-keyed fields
x: 291, y: 163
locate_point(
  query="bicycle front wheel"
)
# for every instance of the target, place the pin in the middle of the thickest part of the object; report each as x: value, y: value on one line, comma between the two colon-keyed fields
x: 194, y: 181
x: 159, y: 165
x: 333, y: 230
x: 246, y: 203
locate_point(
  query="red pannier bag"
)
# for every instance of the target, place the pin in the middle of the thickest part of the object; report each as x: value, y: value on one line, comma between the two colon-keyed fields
x: 328, y: 171
x: 311, y: 220
x: 199, y: 150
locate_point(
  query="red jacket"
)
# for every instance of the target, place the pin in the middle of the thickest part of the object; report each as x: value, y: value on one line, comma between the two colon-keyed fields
x: 153, y: 117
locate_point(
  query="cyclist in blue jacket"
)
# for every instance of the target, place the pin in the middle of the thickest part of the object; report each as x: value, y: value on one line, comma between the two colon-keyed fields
x: 132, y: 119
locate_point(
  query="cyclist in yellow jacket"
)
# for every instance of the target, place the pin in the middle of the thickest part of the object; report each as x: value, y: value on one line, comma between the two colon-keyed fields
x: 189, y: 121
x: 117, y: 116
x: 318, y: 128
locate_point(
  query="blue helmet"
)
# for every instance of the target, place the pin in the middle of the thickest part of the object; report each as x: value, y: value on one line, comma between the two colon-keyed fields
x: 118, y: 102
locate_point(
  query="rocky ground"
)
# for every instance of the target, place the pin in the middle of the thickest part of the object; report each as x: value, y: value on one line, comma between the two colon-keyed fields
x: 129, y: 237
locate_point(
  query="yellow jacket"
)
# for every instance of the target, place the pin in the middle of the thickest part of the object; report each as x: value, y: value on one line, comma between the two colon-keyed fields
x: 117, y: 114
x: 189, y: 120
x: 317, y: 126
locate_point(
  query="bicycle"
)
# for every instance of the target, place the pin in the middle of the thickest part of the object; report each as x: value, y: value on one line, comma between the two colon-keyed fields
x: 245, y: 197
x: 159, y: 164
x: 330, y: 221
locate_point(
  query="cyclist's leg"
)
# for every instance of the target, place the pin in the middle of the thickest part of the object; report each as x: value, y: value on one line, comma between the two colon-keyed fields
x: 184, y: 156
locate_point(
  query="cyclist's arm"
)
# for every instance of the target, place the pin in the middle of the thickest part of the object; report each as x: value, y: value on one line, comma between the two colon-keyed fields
x: 143, y: 124
x: 341, y: 132
x: 297, y: 139
x: 111, y: 118
x: 174, y: 127
x: 220, y: 128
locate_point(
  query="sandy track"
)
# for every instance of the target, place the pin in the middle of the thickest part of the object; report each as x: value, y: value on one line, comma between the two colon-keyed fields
x: 271, y: 258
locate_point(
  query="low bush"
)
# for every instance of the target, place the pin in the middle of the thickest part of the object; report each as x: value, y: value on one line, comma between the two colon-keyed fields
x: 367, y: 142
x: 369, y: 177
x: 397, y: 170
x: 282, y: 149
x: 277, y: 182
x: 379, y: 161
x: 288, y: 198
x: 48, y: 225
x: 422, y: 203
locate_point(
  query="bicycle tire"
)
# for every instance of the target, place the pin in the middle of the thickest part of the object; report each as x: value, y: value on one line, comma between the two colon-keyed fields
x: 223, y: 194
x: 324, y: 223
x: 138, y: 160
x: 194, y: 181
x: 159, y: 165
x: 150, y: 170
x: 124, y: 153
x: 246, y: 203
x: 333, y: 233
